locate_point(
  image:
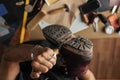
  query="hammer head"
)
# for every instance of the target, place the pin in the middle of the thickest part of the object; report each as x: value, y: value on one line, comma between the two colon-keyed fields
x: 67, y: 7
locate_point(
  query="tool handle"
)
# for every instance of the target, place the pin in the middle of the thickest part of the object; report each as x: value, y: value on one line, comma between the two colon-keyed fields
x: 33, y: 23
x: 103, y: 19
x: 84, y: 18
x: 56, y: 11
x: 24, y: 23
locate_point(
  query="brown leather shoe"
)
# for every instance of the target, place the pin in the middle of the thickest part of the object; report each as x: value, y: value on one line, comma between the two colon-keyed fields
x: 76, y: 51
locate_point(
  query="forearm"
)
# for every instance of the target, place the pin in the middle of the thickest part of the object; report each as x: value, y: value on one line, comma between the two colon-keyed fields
x: 9, y: 65
x: 18, y: 53
x: 8, y: 70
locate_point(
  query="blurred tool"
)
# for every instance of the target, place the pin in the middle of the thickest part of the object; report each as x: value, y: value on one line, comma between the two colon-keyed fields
x: 114, y: 18
x: 114, y: 9
x: 61, y: 9
x: 95, y: 24
x: 29, y: 8
x: 90, y: 6
x: 108, y: 27
x: 24, y: 23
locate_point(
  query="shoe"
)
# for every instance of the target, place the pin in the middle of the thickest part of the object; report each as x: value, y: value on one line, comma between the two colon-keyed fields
x: 76, y: 51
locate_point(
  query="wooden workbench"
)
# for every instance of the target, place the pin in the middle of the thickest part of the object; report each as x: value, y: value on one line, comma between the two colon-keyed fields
x: 89, y: 32
x: 106, y: 59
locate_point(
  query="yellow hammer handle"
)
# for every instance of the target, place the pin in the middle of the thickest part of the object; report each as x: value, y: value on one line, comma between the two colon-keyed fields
x: 24, y: 23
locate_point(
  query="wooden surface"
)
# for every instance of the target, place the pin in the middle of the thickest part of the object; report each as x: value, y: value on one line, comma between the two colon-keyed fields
x: 89, y: 32
x: 106, y: 61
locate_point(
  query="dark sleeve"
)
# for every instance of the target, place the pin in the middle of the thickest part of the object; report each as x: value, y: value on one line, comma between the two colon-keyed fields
x: 25, y: 70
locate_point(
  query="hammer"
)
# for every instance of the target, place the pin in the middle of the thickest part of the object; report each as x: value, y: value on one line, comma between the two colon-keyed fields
x: 61, y: 9
x: 32, y: 24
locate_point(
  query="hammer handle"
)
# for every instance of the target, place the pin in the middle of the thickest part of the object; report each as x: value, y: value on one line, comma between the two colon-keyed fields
x: 33, y: 23
x: 85, y: 18
x: 56, y: 11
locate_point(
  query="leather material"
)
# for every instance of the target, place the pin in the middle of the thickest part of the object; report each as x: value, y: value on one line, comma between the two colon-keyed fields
x: 77, y: 51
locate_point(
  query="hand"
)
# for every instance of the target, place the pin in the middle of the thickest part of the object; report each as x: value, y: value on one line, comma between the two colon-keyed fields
x: 43, y: 62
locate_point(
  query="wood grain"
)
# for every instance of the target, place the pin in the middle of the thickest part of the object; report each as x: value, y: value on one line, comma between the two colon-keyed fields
x: 106, y: 60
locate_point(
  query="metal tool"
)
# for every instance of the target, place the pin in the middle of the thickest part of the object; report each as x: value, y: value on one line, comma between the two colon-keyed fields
x: 61, y: 9
x: 108, y: 27
x: 114, y: 9
x: 95, y: 24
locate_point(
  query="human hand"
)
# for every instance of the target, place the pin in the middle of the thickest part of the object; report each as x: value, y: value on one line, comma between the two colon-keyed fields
x: 43, y: 62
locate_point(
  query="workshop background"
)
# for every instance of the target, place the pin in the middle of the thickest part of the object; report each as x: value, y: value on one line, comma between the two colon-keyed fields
x: 106, y: 60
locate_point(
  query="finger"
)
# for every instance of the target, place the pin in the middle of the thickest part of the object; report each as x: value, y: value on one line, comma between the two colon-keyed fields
x: 48, y: 53
x: 37, y: 67
x: 34, y: 74
x: 41, y: 60
x: 53, y: 59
